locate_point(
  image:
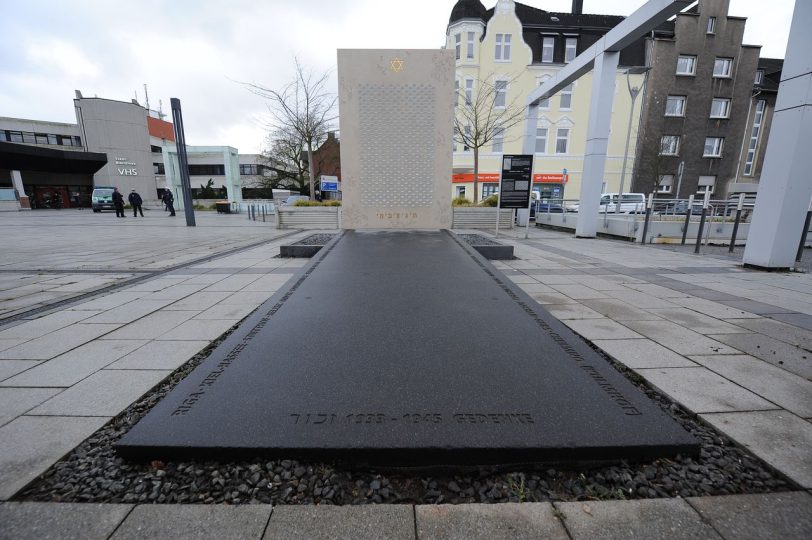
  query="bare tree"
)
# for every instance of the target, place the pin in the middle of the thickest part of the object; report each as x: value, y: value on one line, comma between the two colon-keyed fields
x: 483, y: 115
x: 304, y: 107
x: 283, y: 157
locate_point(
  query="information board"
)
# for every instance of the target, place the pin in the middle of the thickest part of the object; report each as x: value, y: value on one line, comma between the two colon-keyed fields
x: 514, y: 191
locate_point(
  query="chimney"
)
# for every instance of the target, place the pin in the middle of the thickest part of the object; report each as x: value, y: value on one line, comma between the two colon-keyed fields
x: 577, y: 7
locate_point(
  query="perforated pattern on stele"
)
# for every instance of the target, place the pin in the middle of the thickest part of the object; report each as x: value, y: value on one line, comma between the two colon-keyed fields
x: 397, y: 137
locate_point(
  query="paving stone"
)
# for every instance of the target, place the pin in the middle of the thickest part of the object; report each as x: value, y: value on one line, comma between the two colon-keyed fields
x: 73, y: 366
x: 246, y: 298
x: 511, y: 520
x: 801, y: 320
x: 129, y: 312
x: 57, y: 342
x: 9, y: 368
x: 759, y: 308
x: 778, y: 437
x: 232, y: 283
x: 714, y: 309
x: 193, y: 521
x: 198, y: 329
x: 16, y: 401
x: 573, y: 311
x: 105, y: 393
x: 778, y: 353
x: 536, y: 287
x: 109, y: 301
x: 552, y: 298
x: 657, y: 290
x: 31, y: 444
x: 198, y: 301
x: 555, y: 279
x: 778, y: 330
x: 592, y: 329
x: 701, y: 390
x: 785, y: 515
x: 785, y: 389
x: 152, y: 326
x: 9, y: 343
x: 640, y: 300
x: 226, y: 312
x: 642, y: 353
x: 680, y: 339
x: 698, y: 322
x: 44, y: 325
x: 620, y: 311
x: 654, y: 518
x: 600, y: 283
x: 579, y: 292
x: 60, y: 521
x: 317, y: 522
x: 168, y: 355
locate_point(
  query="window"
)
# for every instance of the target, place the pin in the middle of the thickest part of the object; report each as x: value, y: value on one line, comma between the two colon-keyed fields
x: 489, y: 189
x: 203, y: 170
x: 675, y: 106
x: 713, y: 147
x: 566, y: 97
x: 15, y: 136
x: 467, y: 137
x: 456, y: 92
x: 759, y: 76
x: 706, y: 184
x: 158, y: 168
x: 666, y: 181
x: 41, y: 138
x: 541, y: 140
x: 547, y: 49
x: 544, y: 104
x: 52, y: 139
x: 686, y: 65
x: 155, y: 149
x: 66, y: 141
x: 457, y: 46
x: 469, y: 91
x: 3, y: 135
x: 498, y: 140
x: 502, y: 47
x: 470, y: 46
x: 76, y: 141
x: 711, y: 25
x: 562, y: 138
x: 754, y: 134
x: 250, y: 169
x: 460, y: 191
x: 720, y: 108
x: 500, y: 97
x: 722, y: 67
x: 570, y: 49
x: 29, y: 138
x: 669, y: 145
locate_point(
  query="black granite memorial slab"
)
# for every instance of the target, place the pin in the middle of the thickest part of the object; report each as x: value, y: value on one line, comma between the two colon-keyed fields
x: 405, y: 348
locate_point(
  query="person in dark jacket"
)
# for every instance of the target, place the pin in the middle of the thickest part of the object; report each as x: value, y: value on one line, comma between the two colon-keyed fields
x: 118, y: 202
x: 169, y: 199
x: 136, y: 202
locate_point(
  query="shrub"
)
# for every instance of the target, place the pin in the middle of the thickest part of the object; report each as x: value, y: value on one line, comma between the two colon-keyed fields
x: 460, y: 201
x: 490, y: 201
x: 317, y: 203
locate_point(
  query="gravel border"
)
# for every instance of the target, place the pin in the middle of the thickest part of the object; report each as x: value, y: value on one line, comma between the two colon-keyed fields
x: 315, y: 240
x: 478, y: 240
x: 93, y: 472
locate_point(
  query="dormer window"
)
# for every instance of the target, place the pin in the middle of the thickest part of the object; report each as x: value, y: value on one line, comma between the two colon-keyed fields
x: 547, y: 49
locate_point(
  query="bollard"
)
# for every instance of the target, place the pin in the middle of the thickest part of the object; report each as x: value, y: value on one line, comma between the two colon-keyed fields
x: 263, y: 213
x: 687, y: 218
x: 736, y: 223
x: 649, y: 204
x: 702, y: 222
x: 800, y: 254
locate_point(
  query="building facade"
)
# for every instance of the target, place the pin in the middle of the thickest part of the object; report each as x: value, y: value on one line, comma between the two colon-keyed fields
x: 698, y: 107
x: 514, y: 48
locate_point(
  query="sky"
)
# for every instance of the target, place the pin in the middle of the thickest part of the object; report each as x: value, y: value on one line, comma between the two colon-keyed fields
x: 201, y: 50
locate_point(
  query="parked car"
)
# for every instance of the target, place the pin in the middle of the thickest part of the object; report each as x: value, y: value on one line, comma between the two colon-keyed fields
x: 680, y: 208
x: 291, y: 201
x: 548, y: 207
x: 102, y: 198
x: 631, y: 202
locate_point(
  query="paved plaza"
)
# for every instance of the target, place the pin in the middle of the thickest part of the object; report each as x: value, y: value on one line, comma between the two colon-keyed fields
x: 729, y: 345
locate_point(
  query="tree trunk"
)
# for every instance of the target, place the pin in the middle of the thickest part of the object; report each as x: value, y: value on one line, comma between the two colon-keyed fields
x: 476, y: 175
x: 310, y: 170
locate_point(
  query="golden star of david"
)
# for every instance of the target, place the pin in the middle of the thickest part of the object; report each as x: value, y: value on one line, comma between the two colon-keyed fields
x: 396, y: 65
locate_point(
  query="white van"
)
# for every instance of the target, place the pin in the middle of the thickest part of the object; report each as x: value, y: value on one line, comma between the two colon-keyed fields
x: 631, y: 203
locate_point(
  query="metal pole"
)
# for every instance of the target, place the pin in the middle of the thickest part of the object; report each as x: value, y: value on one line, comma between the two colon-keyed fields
x: 804, y: 233
x: 702, y: 222
x: 180, y: 140
x: 649, y: 204
x: 529, y: 204
x: 736, y: 223
x: 680, y: 169
x: 687, y: 218
x: 633, y: 92
x: 498, y: 202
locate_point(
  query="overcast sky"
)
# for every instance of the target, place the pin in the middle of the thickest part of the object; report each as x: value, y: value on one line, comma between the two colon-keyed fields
x: 196, y: 49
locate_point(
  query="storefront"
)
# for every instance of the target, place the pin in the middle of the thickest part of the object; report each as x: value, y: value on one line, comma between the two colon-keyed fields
x: 547, y: 186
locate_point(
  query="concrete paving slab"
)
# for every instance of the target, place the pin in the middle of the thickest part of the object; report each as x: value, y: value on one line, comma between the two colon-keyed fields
x: 73, y: 366
x: 129, y: 312
x: 801, y: 320
x: 778, y: 437
x: 246, y: 298
x: 657, y: 518
x: 640, y: 300
x: 105, y: 393
x: 198, y: 301
x: 701, y: 390
x: 535, y: 287
x: 657, y: 290
x: 60, y: 521
x: 714, y: 309
x: 191, y: 522
x: 698, y: 322
x: 322, y: 522
x: 9, y: 368
x: 579, y: 292
x: 9, y: 343
x: 552, y: 298
x: 226, y: 312
x: 510, y: 520
x: 168, y: 355
x: 759, y: 308
x: 785, y: 389
x: 785, y: 515
x: 680, y: 339
x: 198, y: 329
x: 44, y: 325
x: 778, y: 353
x: 620, y: 311
x: 592, y: 329
x: 232, y: 283
x: 600, y: 283
x: 31, y: 444
x: 787, y: 333
x: 57, y: 342
x: 152, y: 326
x: 16, y: 401
x: 109, y: 301
x: 642, y: 353
x: 573, y: 311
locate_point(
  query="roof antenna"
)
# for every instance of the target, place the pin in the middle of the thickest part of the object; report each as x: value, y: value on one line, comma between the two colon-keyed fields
x: 146, y: 97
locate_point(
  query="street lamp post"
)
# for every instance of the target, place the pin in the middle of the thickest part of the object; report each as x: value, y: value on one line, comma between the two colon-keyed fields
x: 634, y: 91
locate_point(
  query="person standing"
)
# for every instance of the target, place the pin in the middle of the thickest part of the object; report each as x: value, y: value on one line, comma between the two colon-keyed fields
x: 118, y: 202
x: 136, y: 202
x: 169, y: 199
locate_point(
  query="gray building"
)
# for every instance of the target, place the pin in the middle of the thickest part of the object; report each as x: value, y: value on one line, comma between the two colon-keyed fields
x: 697, y: 102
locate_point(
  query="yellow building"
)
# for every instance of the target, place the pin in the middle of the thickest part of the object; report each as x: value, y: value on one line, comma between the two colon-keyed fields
x: 515, y: 47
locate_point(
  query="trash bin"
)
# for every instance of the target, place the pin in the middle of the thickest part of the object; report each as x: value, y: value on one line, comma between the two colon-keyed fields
x: 223, y: 207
